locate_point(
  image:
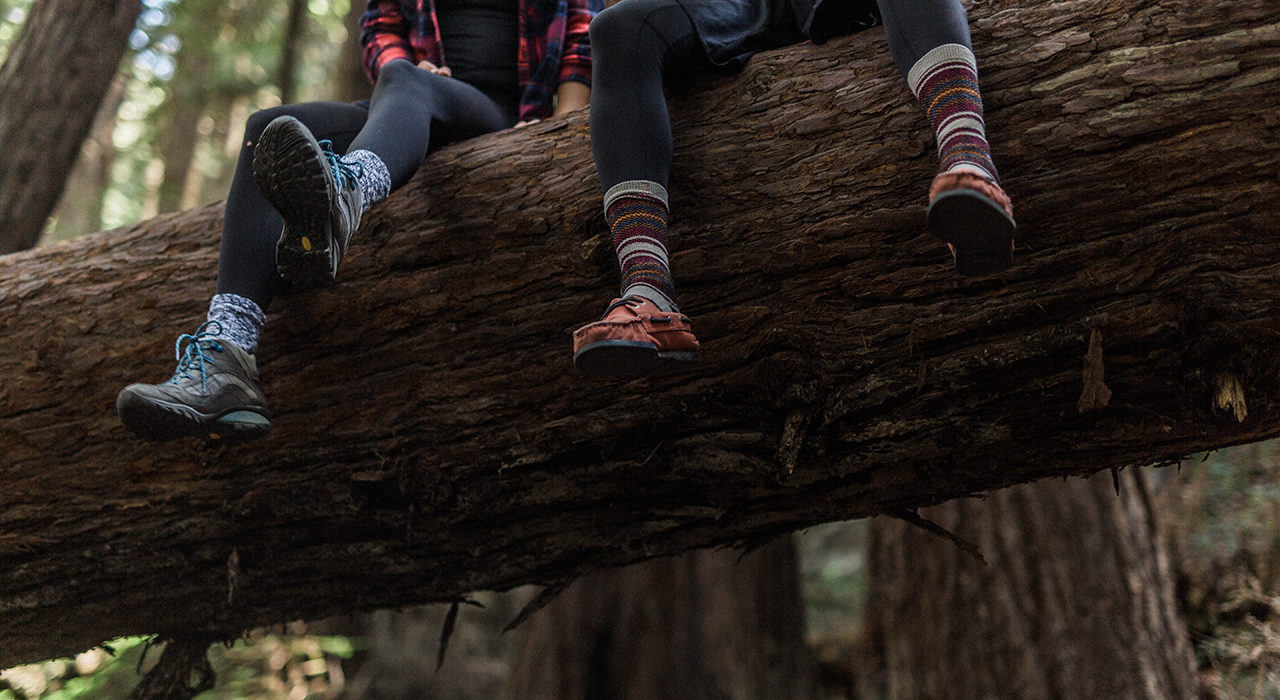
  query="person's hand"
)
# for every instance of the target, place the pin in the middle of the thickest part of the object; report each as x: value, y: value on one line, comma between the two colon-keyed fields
x: 526, y: 122
x: 438, y: 70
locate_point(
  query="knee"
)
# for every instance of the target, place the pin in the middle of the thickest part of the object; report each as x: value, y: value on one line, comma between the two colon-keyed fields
x: 615, y: 29
x: 406, y: 81
x: 258, y: 121
x: 400, y: 72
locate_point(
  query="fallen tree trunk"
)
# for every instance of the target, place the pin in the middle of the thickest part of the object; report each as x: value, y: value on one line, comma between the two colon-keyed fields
x: 432, y: 439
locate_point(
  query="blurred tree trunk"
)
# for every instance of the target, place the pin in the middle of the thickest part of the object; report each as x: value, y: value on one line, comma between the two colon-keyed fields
x: 353, y: 84
x: 56, y: 75
x: 183, y: 111
x: 396, y: 659
x: 287, y: 79
x: 707, y: 625
x: 79, y: 210
x: 1076, y: 601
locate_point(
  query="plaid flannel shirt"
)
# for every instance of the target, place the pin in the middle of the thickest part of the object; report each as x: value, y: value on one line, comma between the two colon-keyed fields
x: 554, y: 44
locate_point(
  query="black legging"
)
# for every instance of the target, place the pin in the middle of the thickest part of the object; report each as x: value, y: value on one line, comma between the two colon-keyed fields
x: 410, y: 113
x: 637, y: 43
x: 634, y: 45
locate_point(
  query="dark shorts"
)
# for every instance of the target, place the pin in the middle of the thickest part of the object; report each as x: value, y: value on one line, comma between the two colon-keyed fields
x: 732, y: 30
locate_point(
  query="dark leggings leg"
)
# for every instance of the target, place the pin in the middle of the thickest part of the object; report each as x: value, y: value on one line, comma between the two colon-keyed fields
x: 635, y: 45
x: 413, y: 111
x: 913, y: 28
x: 251, y: 226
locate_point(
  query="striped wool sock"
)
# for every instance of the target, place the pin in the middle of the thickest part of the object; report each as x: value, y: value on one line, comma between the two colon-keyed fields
x: 945, y: 81
x: 637, y: 214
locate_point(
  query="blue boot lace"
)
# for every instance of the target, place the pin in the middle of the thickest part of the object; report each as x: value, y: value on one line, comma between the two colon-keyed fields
x: 192, y: 358
x: 346, y: 172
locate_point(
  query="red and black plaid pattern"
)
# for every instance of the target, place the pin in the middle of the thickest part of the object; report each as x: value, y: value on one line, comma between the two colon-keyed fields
x: 554, y: 44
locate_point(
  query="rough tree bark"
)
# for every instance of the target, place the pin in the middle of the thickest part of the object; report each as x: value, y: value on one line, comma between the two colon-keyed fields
x: 707, y: 625
x: 57, y: 72
x: 431, y: 438
x: 1075, y: 601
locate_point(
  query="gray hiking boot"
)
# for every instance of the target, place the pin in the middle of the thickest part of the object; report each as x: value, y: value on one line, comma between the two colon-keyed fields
x: 214, y: 394
x: 315, y: 192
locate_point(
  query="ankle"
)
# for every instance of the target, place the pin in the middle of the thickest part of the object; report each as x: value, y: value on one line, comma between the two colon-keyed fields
x: 655, y: 296
x: 239, y: 320
x: 374, y: 180
x: 961, y: 168
x: 637, y: 219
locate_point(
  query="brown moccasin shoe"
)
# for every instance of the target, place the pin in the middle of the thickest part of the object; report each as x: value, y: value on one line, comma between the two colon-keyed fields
x: 635, y: 339
x: 975, y: 217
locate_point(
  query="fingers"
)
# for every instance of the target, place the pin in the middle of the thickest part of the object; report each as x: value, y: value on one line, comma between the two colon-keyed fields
x: 438, y: 70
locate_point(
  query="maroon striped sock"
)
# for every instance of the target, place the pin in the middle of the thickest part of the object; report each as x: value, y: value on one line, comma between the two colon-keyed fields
x: 638, y: 222
x: 945, y: 81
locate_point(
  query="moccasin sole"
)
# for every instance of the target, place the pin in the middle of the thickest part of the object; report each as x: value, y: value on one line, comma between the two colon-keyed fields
x: 979, y: 229
x: 614, y: 359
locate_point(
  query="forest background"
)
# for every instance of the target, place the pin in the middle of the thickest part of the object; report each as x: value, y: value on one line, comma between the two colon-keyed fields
x: 166, y: 139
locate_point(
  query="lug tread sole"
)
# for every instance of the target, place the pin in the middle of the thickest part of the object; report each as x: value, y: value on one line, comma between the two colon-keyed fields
x: 159, y: 421
x: 288, y: 169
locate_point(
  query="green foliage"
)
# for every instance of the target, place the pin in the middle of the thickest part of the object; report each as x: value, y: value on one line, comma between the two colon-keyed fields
x: 262, y: 666
x: 1221, y: 513
x: 12, y: 14
x: 269, y: 666
x: 219, y: 57
x: 833, y: 577
x: 103, y: 673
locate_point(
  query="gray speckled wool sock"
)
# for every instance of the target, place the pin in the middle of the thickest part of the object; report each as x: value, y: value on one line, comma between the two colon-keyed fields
x: 375, y: 179
x: 240, y: 318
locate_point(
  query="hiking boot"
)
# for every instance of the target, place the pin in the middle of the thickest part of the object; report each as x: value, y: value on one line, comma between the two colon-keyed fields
x: 317, y: 195
x: 214, y: 394
x: 975, y: 217
x: 635, y: 338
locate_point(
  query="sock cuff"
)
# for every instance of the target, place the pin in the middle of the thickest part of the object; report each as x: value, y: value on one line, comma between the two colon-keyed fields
x: 947, y: 53
x: 631, y: 188
x: 375, y: 179
x: 237, y: 304
x: 653, y: 294
x: 240, y: 319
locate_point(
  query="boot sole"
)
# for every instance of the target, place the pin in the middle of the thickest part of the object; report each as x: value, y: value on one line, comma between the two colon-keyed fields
x: 980, y: 230
x: 631, y: 359
x: 159, y: 421
x: 289, y: 170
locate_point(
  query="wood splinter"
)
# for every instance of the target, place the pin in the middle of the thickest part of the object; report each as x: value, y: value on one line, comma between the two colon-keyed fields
x: 1228, y: 395
x: 1096, y: 395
